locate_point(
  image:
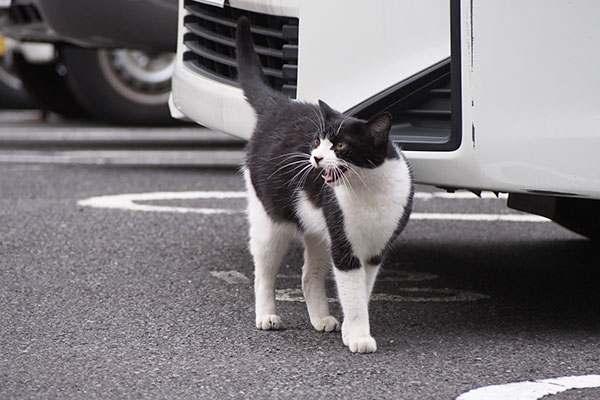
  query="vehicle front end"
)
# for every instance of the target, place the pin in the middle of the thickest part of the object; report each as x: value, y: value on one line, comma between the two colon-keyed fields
x: 485, y: 95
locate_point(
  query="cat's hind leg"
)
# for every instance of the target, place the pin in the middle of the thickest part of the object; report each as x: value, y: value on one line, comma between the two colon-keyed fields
x: 317, y: 265
x: 268, y: 244
x: 269, y: 241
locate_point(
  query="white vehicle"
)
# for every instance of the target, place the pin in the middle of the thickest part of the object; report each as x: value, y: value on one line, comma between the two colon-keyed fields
x: 498, y: 95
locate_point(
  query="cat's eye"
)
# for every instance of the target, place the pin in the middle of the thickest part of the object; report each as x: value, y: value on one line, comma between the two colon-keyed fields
x: 317, y: 142
x: 340, y: 146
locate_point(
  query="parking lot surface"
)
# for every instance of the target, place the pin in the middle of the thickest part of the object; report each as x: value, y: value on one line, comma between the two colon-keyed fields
x: 154, y: 300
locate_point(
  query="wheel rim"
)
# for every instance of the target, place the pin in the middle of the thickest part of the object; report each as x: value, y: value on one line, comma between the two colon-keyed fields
x: 138, y: 76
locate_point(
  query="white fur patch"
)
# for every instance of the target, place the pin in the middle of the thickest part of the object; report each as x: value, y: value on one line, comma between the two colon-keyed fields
x: 373, y: 205
x: 324, y: 151
x: 311, y: 217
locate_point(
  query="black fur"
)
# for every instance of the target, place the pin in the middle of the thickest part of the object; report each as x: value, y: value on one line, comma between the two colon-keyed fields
x: 287, y: 128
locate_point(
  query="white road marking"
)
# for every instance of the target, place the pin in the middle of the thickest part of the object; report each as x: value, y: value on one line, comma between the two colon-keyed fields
x: 406, y: 276
x: 412, y: 295
x: 203, y: 158
x: 532, y: 390
x: 479, y: 217
x: 409, y: 294
x: 231, y: 277
x: 459, y: 196
x: 398, y: 276
x: 128, y: 202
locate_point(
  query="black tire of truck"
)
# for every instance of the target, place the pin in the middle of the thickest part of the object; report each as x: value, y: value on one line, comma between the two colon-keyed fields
x: 116, y: 93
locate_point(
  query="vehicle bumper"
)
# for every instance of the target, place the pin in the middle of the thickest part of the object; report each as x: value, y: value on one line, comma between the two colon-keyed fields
x: 352, y: 68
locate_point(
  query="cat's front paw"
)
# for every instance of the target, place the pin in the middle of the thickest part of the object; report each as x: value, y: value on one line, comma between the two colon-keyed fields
x: 326, y: 324
x: 269, y: 322
x: 362, y: 344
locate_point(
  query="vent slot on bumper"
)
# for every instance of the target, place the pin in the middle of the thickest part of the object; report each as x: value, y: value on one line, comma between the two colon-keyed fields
x: 427, y: 107
x: 210, y: 42
x: 421, y: 109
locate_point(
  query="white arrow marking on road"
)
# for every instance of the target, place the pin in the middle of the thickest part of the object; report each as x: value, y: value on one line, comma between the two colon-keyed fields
x: 128, y: 202
x: 532, y: 390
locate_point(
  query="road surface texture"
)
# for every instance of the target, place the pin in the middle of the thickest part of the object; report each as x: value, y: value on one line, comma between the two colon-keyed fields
x: 157, y: 301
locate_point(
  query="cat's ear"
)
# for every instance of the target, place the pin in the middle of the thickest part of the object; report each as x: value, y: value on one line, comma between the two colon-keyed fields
x: 379, y: 128
x: 328, y: 112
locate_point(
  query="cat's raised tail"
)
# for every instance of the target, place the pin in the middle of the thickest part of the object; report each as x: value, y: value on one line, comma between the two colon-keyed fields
x: 250, y: 73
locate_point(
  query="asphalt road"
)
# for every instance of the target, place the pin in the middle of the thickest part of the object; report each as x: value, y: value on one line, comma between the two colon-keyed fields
x: 157, y: 301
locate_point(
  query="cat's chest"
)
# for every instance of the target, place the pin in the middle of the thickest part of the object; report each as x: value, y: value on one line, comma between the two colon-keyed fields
x: 369, y: 225
x: 370, y: 214
x: 371, y: 217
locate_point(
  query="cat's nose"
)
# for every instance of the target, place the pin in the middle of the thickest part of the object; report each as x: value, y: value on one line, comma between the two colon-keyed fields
x: 318, y: 159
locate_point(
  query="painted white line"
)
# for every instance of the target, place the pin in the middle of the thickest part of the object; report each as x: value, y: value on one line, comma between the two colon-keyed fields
x: 396, y: 277
x: 429, y: 295
x: 128, y: 202
x: 203, y: 158
x: 231, y: 277
x: 532, y: 390
x: 49, y: 133
x: 413, y: 295
x: 460, y: 196
x: 479, y: 217
x: 409, y: 294
x: 406, y: 276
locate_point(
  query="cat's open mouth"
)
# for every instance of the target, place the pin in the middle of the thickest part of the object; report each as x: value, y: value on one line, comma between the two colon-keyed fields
x: 331, y: 175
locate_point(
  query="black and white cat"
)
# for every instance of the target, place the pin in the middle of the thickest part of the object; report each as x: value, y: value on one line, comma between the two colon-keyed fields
x: 335, y: 180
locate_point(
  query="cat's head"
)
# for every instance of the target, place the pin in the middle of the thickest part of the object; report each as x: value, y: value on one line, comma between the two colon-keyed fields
x: 345, y: 143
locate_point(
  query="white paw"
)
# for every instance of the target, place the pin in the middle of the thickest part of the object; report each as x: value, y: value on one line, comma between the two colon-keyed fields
x: 362, y: 344
x: 269, y: 322
x: 345, y: 334
x: 326, y: 324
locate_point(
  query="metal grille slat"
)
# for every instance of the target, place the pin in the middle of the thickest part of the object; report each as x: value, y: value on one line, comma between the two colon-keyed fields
x: 195, y: 10
x: 224, y: 40
x: 228, y: 61
x: 210, y: 42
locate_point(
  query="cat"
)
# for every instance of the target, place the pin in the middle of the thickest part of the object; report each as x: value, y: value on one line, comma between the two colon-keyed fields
x: 337, y: 181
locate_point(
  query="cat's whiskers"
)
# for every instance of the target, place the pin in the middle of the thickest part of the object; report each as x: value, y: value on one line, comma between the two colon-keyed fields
x: 291, y: 160
x: 292, y: 154
x: 316, y: 124
x: 304, y: 177
x: 305, y: 170
x: 348, y: 186
x: 320, y: 119
x: 355, y: 172
x: 289, y: 165
x: 341, y: 124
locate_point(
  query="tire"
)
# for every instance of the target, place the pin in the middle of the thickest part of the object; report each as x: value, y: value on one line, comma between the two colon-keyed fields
x: 47, y: 85
x: 116, y: 87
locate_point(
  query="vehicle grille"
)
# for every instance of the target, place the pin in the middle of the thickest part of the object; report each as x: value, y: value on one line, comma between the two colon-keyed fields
x: 210, y: 42
x: 26, y: 14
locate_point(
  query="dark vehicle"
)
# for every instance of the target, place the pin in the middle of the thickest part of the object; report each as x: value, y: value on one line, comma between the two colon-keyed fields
x: 112, y: 59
